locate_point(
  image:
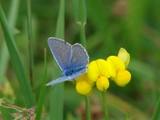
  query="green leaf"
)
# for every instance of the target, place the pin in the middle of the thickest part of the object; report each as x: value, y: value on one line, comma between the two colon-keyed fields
x: 16, y: 62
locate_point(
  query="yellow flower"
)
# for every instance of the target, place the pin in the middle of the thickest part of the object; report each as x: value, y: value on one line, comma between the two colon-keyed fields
x: 117, y: 69
x: 98, y: 72
x: 83, y: 87
x: 124, y: 56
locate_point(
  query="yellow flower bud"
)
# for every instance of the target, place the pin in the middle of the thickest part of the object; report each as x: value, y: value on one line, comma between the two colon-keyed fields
x: 124, y: 56
x: 83, y: 85
x: 102, y: 83
x: 122, y: 78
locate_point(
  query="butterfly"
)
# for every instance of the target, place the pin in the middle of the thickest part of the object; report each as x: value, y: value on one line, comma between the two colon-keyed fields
x: 72, y: 59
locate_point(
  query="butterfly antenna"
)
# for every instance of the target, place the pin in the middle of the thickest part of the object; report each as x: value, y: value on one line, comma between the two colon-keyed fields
x: 53, y: 87
x: 55, y: 68
x: 74, y: 81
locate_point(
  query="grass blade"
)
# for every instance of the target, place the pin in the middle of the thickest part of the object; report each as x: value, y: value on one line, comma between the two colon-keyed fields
x: 79, y: 11
x: 56, y: 111
x: 80, y: 16
x: 43, y: 90
x: 156, y: 115
x: 16, y: 62
x: 4, y: 52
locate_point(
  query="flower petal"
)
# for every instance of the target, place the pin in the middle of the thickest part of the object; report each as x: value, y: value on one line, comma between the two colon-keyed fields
x: 102, y: 66
x: 113, y: 64
x: 93, y: 71
x: 122, y: 78
x: 96, y: 69
x: 102, y: 83
x: 124, y: 55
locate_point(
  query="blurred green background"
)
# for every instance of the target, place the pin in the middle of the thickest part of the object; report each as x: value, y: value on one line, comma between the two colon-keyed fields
x: 111, y: 24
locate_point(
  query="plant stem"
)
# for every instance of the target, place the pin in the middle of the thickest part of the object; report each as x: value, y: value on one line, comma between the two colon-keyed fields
x: 80, y: 16
x: 88, y: 111
x: 105, y: 104
x: 82, y: 34
x: 30, y: 43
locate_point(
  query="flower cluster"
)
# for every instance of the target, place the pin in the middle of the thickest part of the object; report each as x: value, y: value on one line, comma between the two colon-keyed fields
x: 100, y: 71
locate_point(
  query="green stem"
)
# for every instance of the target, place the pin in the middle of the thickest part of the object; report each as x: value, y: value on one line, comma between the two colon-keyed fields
x: 105, y: 105
x: 80, y: 16
x: 81, y: 20
x: 30, y: 43
x: 82, y: 34
x: 88, y: 111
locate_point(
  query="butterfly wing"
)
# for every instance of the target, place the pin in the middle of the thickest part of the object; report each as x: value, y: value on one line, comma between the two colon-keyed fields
x: 61, y: 51
x: 79, y: 58
x: 79, y: 61
x: 59, y: 80
x: 67, y: 78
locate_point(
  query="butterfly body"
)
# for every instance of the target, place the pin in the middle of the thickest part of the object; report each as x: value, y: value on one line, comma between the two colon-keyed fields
x: 71, y: 71
x: 72, y: 59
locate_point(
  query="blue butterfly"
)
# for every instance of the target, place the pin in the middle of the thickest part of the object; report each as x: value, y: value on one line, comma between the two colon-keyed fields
x: 72, y: 59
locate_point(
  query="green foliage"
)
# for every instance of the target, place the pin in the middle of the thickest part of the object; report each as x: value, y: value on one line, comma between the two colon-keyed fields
x: 133, y: 25
x: 16, y: 62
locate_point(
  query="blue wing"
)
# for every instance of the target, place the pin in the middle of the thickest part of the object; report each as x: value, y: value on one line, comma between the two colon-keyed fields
x: 59, y: 80
x: 66, y: 78
x: 79, y: 58
x: 61, y: 51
